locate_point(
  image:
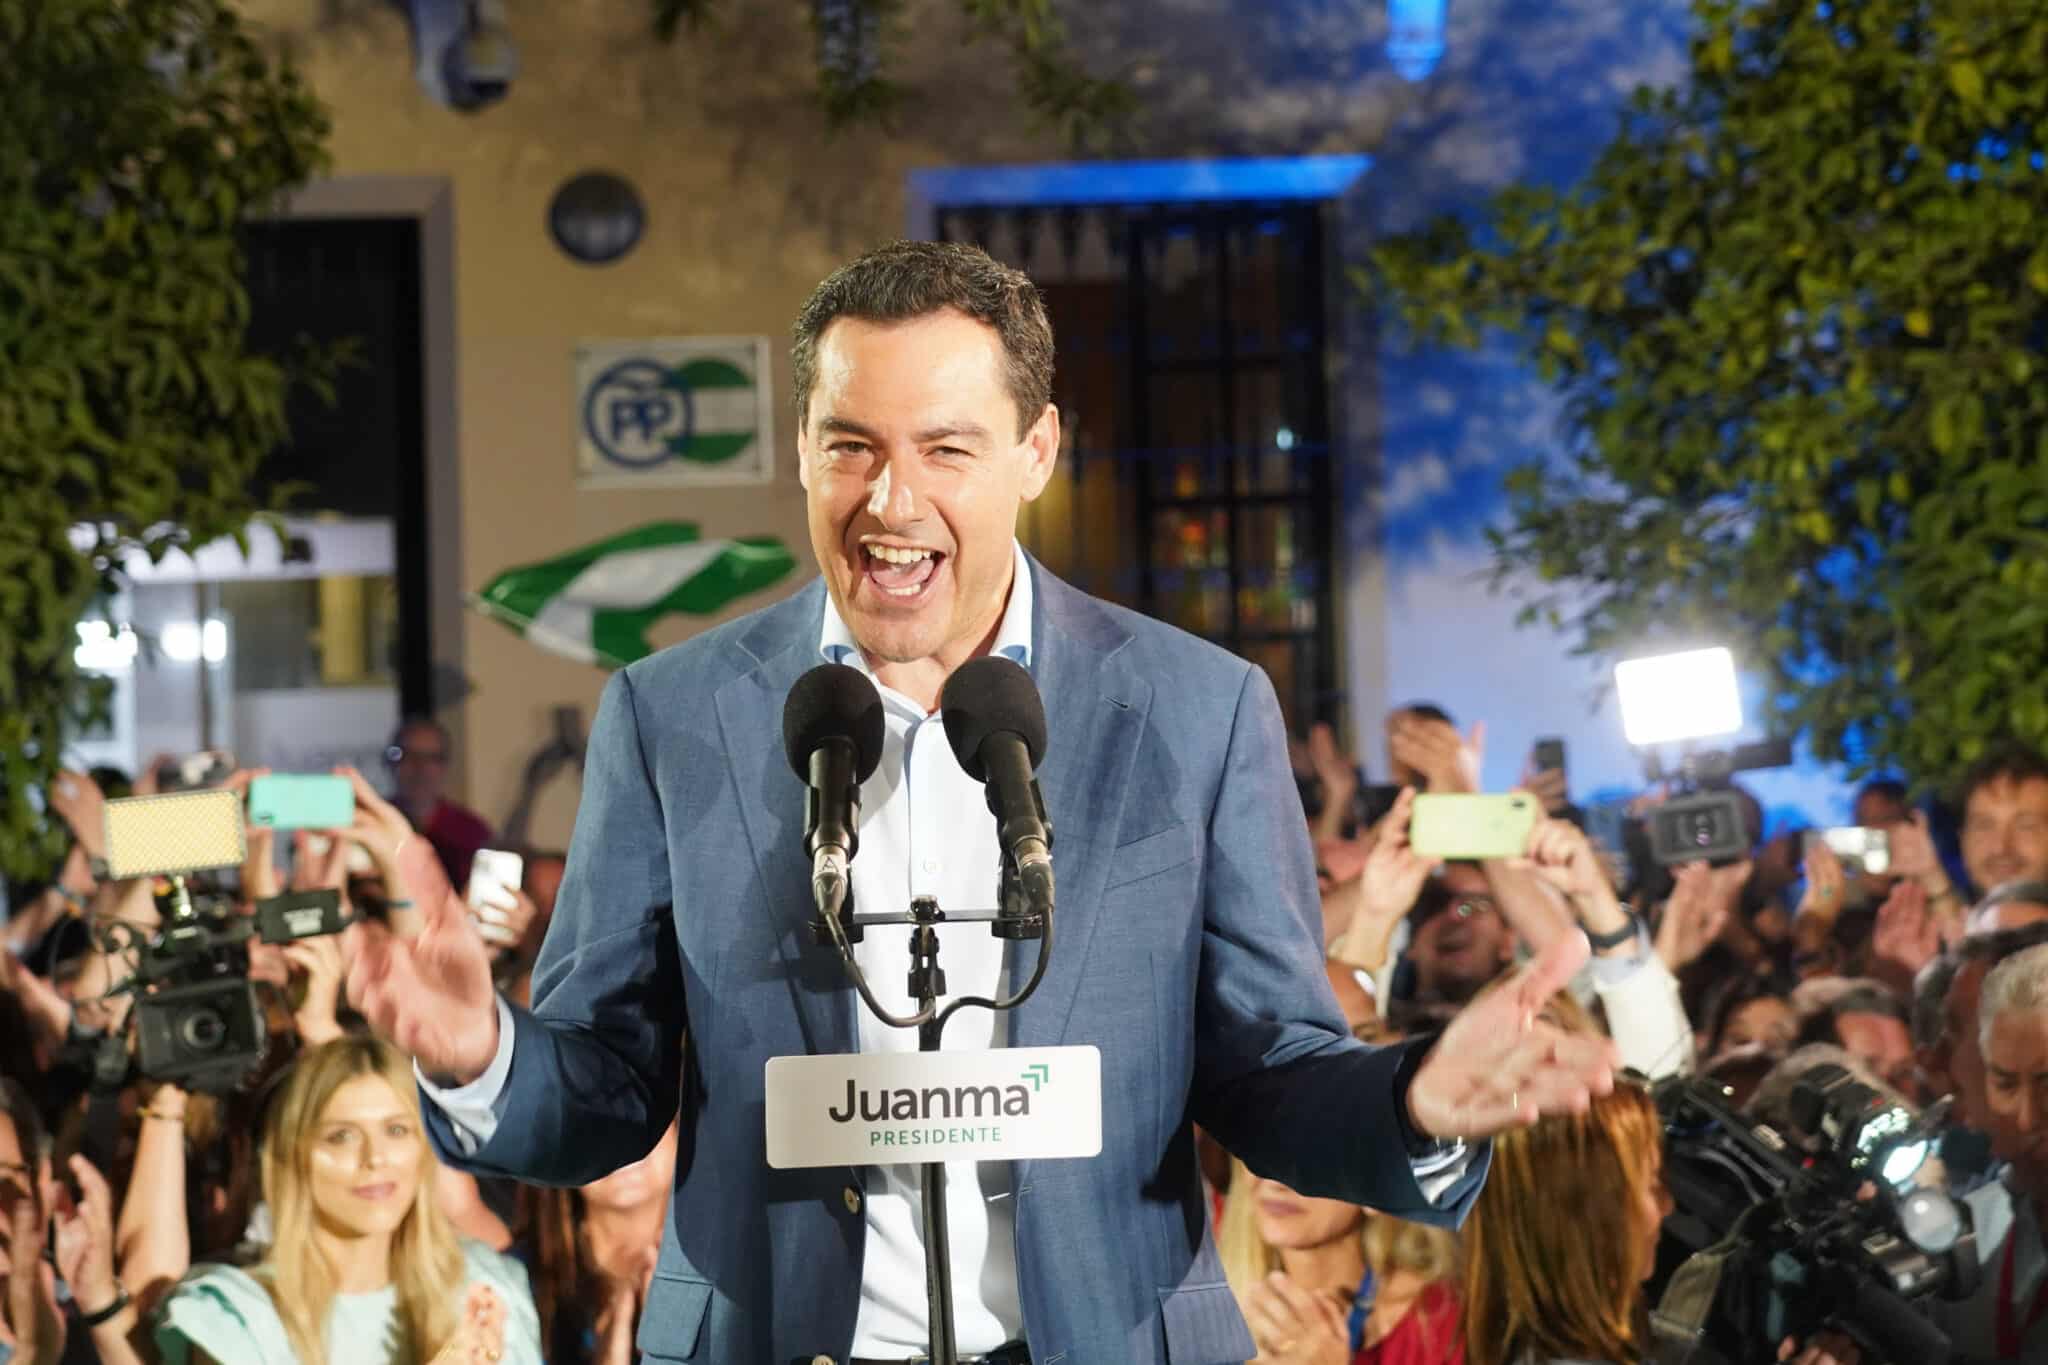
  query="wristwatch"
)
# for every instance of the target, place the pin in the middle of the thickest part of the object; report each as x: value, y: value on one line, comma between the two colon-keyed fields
x: 1625, y: 934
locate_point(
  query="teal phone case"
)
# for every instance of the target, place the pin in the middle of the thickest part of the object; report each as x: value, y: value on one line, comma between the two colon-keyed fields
x: 302, y: 801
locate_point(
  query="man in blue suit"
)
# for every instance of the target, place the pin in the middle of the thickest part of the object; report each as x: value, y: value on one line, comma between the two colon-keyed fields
x: 678, y: 962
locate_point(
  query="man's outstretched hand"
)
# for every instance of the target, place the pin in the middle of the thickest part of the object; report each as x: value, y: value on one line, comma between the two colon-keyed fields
x: 1500, y: 1066
x: 431, y: 994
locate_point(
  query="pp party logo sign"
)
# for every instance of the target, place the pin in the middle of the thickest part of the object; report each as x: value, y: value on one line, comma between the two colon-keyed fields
x: 674, y: 411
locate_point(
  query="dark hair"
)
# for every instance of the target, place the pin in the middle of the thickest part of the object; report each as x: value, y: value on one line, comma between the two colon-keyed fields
x: 2009, y: 762
x: 1731, y: 995
x: 17, y: 1105
x: 1930, y: 999
x: 1883, y: 788
x: 906, y: 280
x: 420, y: 722
x: 1822, y: 1025
x: 1428, y: 710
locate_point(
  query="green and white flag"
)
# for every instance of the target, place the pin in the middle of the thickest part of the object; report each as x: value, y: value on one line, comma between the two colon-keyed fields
x: 596, y: 604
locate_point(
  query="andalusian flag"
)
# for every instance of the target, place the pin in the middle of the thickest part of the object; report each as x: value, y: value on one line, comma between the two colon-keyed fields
x: 595, y: 604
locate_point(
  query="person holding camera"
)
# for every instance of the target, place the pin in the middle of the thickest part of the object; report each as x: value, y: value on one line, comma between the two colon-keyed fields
x: 363, y: 1267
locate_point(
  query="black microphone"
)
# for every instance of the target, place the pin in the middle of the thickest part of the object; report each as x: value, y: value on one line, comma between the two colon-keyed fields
x: 996, y: 725
x: 832, y: 731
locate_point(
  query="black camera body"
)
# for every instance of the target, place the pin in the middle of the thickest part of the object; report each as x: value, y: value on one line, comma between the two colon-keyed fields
x: 1779, y: 1236
x: 198, y: 1020
x: 1706, y: 826
x: 205, y: 1036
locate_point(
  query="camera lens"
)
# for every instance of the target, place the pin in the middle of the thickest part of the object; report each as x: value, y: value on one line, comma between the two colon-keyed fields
x: 203, y: 1030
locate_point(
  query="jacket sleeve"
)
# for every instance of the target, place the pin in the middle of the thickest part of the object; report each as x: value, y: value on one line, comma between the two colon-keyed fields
x: 1278, y: 1080
x: 596, y: 1064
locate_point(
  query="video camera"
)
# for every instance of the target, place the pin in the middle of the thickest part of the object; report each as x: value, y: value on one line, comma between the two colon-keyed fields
x: 198, y: 1022
x: 1785, y: 1235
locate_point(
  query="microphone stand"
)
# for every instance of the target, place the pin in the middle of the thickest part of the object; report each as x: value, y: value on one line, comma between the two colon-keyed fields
x: 1018, y: 919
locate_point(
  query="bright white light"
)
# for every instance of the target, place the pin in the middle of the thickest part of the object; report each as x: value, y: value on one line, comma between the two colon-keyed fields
x: 1903, y: 1162
x: 180, y: 641
x: 186, y: 642
x: 1284, y: 438
x: 101, y: 649
x: 1679, y: 696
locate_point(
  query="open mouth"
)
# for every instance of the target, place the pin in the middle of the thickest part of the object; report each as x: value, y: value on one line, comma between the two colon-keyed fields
x: 901, y: 573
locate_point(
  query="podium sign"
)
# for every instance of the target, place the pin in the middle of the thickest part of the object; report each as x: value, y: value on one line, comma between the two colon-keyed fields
x: 884, y: 1108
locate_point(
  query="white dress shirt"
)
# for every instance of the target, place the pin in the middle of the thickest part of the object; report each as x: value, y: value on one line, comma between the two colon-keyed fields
x: 925, y: 830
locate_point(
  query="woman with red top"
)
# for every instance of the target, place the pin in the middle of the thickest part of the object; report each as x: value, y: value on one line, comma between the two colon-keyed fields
x: 1323, y: 1282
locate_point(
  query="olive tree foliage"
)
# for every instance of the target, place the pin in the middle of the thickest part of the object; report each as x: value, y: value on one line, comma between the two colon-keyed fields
x: 135, y: 136
x: 1797, y: 315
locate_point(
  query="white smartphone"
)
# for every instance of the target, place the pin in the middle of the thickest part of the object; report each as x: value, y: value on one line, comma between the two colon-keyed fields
x: 492, y: 874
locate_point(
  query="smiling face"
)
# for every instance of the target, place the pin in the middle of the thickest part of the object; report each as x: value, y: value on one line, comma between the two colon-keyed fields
x: 2005, y: 832
x: 914, y: 471
x: 367, y: 1160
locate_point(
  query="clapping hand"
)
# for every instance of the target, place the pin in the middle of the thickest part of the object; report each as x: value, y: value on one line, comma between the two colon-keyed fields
x: 1501, y: 1065
x: 480, y: 1338
x: 1447, y: 761
x: 1824, y: 880
x: 1295, y: 1326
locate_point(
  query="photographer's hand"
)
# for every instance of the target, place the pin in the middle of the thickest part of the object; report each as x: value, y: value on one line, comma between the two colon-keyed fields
x: 320, y: 960
x: 431, y: 995
x: 1385, y: 890
x: 406, y: 861
x: 77, y: 799
x: 1559, y: 853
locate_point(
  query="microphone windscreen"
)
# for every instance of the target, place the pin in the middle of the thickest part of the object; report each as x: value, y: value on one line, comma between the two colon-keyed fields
x: 985, y: 696
x: 833, y: 701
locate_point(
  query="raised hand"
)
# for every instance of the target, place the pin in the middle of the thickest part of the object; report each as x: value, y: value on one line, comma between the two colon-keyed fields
x: 1394, y: 872
x: 503, y: 922
x: 30, y: 1320
x: 1447, y: 761
x: 431, y: 994
x: 1500, y: 1065
x: 1695, y: 916
x: 405, y: 860
x: 78, y: 801
x: 85, y: 1239
x: 1907, y: 935
x: 1824, y: 879
x: 1295, y: 1326
x: 322, y: 963
x: 1913, y: 855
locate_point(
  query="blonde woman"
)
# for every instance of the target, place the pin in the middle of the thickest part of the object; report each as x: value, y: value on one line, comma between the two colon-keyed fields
x: 364, y: 1269
x: 1322, y: 1282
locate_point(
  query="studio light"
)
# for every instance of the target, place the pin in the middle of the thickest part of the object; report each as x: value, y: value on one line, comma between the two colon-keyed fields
x: 1689, y: 695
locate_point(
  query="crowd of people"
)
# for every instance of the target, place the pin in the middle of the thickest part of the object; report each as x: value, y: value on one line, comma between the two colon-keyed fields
x: 301, y: 1215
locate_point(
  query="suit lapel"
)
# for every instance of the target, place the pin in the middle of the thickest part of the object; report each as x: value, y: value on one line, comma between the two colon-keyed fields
x: 771, y: 803
x: 1095, y: 713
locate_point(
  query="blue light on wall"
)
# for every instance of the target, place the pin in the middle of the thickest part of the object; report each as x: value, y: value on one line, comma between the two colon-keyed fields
x: 1415, y: 38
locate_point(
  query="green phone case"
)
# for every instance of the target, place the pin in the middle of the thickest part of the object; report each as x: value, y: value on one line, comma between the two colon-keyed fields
x: 1458, y: 826
x: 302, y: 801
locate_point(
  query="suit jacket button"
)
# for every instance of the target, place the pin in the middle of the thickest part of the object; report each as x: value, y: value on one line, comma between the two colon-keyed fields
x: 851, y: 1196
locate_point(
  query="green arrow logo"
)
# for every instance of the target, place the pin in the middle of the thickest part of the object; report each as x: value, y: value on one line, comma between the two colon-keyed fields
x: 1038, y: 1075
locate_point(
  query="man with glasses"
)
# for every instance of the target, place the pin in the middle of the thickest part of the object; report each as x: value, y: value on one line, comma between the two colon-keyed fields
x: 419, y: 759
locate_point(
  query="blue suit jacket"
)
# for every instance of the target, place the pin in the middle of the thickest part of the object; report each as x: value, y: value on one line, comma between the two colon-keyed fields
x: 1188, y: 952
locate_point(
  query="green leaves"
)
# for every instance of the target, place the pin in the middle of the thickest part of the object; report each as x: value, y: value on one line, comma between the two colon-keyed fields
x: 1796, y: 312
x: 135, y: 135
